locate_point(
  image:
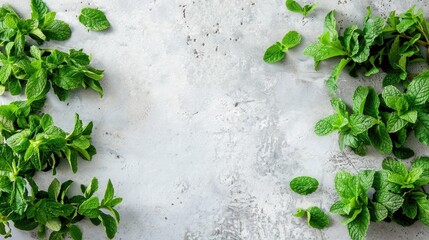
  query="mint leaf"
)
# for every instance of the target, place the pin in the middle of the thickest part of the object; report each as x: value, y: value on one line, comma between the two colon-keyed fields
x: 345, y: 184
x: 395, y: 166
x: 380, y: 139
x: 403, y: 153
x: 291, y: 39
x: 390, y: 95
x: 340, y: 208
x: 359, y: 99
x: 422, y: 128
x: 395, y: 123
x: 317, y: 218
x: 381, y: 182
x: 274, y: 53
x: 108, y: 194
x: 391, y: 201
x: 404, y: 25
x: 89, y: 208
x: 38, y: 9
x: 17, y: 198
x: 321, y: 52
x: 58, y: 30
x: 330, y: 26
x: 410, y: 116
x: 409, y: 208
x: 94, y: 19
x: 372, y: 103
x: 391, y: 79
x: 19, y: 142
x: 358, y: 227
x: 324, y: 126
x: 69, y: 78
x: 54, y: 224
x: 75, y: 232
x: 110, y: 225
x: 423, y: 210
x: 418, y: 90
x: 293, y: 6
x: 360, y: 123
x: 421, y: 162
x: 373, y: 27
x: 36, y: 85
x: 304, y: 185
x: 378, y: 212
x: 339, y: 105
x: 54, y: 189
x: 91, y: 189
x: 366, y: 178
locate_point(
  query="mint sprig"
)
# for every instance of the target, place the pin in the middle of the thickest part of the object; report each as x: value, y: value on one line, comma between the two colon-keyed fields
x: 294, y: 6
x: 30, y: 142
x: 277, y: 52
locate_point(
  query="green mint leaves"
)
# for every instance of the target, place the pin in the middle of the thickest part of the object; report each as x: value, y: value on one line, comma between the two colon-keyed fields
x: 394, y: 41
x: 277, y: 52
x: 304, y: 185
x: 49, y: 27
x: 353, y: 46
x: 31, y: 142
x: 34, y: 143
x: 293, y: 6
x: 353, y: 125
x: 381, y: 119
x: 36, y: 70
x: 354, y: 202
x: 94, y: 19
x: 383, y: 122
x: 36, y: 136
x: 316, y: 218
x: 398, y: 195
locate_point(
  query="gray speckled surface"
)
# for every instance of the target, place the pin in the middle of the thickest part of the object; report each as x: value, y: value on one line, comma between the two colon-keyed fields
x: 199, y: 136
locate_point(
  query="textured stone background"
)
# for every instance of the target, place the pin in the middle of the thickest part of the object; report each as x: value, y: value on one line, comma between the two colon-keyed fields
x: 198, y: 134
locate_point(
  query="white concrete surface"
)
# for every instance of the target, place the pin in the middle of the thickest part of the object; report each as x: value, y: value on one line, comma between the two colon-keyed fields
x: 200, y: 136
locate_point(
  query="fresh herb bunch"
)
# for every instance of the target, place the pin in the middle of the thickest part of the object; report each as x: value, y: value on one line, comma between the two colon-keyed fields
x: 25, y: 64
x: 54, y: 209
x: 407, y: 200
x: 31, y: 143
x: 354, y: 203
x: 41, y: 27
x: 398, y: 195
x: 390, y: 45
x: 29, y: 140
x: 385, y: 121
x: 35, y: 138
